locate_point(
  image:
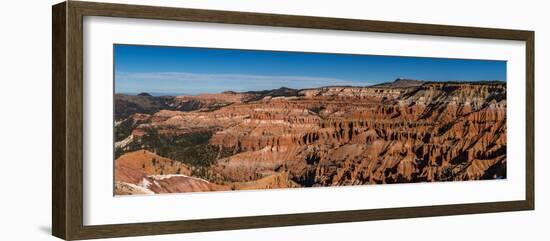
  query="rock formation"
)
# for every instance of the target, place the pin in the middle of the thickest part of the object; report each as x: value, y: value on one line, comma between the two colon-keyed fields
x: 401, y: 132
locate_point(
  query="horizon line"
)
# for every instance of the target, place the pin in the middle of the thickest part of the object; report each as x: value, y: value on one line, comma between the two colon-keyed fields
x: 378, y: 85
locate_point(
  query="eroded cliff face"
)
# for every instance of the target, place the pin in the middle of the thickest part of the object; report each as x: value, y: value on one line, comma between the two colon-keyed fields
x: 334, y: 136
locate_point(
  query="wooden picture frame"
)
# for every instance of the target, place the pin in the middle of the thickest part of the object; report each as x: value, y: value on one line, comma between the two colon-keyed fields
x: 67, y: 152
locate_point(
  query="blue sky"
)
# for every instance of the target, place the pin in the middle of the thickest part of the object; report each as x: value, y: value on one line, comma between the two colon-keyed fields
x: 182, y: 70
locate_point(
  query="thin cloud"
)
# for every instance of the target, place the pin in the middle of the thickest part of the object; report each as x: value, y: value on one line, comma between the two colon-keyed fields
x: 194, y: 83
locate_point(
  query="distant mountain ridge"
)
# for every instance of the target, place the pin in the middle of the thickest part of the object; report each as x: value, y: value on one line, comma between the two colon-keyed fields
x: 286, y: 91
x: 147, y: 103
x: 401, y: 83
x: 407, y: 83
x: 144, y: 94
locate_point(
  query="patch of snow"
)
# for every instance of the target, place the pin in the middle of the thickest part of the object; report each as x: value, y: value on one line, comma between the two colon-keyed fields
x: 168, y: 176
x: 125, y: 142
x: 142, y: 189
x: 145, y: 183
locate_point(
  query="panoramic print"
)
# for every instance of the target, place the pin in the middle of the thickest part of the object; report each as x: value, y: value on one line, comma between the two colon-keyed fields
x: 203, y: 119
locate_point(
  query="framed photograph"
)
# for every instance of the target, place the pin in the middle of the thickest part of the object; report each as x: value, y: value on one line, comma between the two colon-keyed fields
x: 171, y: 120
